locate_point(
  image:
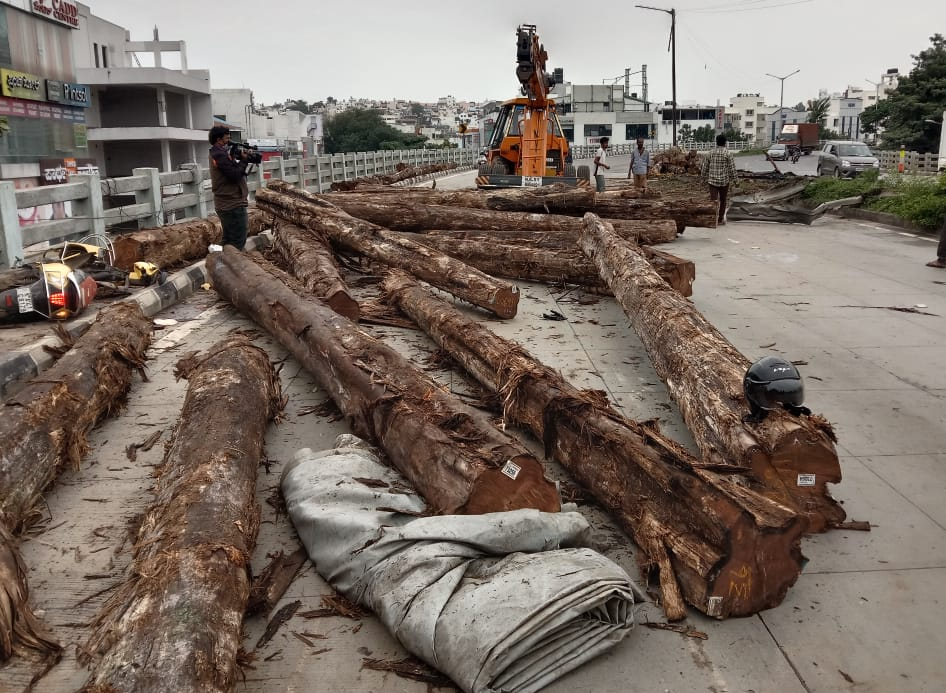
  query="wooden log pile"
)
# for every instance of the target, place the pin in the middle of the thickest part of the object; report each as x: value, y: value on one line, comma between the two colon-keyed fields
x: 402, y: 172
x: 676, y: 161
x: 43, y: 430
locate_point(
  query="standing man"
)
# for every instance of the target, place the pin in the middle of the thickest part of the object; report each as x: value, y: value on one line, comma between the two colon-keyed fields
x: 228, y: 181
x: 640, y: 165
x: 719, y: 170
x: 601, y: 159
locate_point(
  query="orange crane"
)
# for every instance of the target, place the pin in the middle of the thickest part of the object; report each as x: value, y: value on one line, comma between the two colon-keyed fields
x: 527, y: 147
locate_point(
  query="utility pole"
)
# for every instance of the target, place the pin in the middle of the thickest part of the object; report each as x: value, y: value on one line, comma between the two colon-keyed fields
x: 781, y: 98
x: 672, y: 47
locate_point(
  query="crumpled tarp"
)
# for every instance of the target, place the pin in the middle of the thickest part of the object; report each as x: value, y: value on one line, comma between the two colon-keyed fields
x: 499, y: 602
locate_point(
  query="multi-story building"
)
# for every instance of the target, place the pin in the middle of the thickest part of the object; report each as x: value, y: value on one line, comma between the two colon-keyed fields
x: 140, y: 115
x: 589, y: 112
x: 43, y: 106
x: 690, y: 117
x: 748, y: 113
x: 779, y: 118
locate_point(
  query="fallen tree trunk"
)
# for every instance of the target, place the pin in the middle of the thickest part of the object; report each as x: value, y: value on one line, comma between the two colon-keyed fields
x: 44, y: 428
x: 448, y: 450
x: 547, y: 263
x: 175, y: 622
x: 175, y: 244
x: 649, y: 232
x: 413, y: 213
x: 792, y: 457
x: 443, y: 271
x: 402, y: 172
x: 309, y: 257
x: 555, y: 199
x: 727, y: 550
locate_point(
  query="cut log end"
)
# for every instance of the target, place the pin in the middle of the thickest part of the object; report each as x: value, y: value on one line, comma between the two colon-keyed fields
x: 506, y: 302
x: 496, y: 491
x: 343, y: 304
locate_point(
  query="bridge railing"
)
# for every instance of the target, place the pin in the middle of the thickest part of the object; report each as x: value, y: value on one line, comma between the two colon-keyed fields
x: 89, y: 204
x: 587, y: 151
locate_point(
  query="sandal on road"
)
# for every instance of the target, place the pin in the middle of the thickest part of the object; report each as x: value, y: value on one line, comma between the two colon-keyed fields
x: 941, y: 264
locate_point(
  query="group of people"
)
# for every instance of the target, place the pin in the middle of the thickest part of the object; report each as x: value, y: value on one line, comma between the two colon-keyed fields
x: 718, y: 172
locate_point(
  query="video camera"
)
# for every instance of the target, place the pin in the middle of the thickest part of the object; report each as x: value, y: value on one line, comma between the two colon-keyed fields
x: 249, y: 152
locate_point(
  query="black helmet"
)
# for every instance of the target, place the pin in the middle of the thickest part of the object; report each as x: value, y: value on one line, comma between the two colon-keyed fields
x: 773, y: 383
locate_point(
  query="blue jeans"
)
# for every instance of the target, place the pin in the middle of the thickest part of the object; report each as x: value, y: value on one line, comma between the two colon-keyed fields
x: 599, y: 182
x: 235, y: 226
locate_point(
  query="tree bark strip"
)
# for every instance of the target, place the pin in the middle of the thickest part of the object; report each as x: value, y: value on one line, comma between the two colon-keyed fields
x: 44, y: 428
x: 405, y: 213
x: 447, y: 449
x: 175, y: 244
x: 727, y: 550
x: 175, y: 623
x: 546, y: 263
x: 383, y: 245
x: 309, y: 257
x: 704, y: 373
x: 646, y: 232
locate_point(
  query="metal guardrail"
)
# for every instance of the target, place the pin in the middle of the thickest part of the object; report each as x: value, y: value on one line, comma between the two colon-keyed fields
x: 587, y: 151
x: 913, y: 162
x: 161, y: 198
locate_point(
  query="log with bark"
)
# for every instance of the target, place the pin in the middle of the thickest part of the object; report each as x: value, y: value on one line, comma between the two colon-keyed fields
x: 465, y: 210
x: 175, y: 622
x: 43, y: 429
x: 644, y: 232
x: 546, y: 262
x: 792, y: 458
x: 308, y: 255
x: 448, y: 450
x: 175, y: 244
x: 391, y: 248
x: 719, y: 546
x: 402, y: 172
x: 556, y: 199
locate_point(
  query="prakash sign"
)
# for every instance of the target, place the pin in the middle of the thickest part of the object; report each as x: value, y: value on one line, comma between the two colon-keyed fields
x: 21, y: 85
x: 61, y: 11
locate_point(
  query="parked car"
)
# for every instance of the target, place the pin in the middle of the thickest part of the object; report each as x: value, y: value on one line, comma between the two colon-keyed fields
x: 843, y: 159
x: 779, y: 152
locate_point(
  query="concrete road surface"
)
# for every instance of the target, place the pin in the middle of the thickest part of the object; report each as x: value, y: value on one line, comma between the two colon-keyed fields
x: 867, y: 613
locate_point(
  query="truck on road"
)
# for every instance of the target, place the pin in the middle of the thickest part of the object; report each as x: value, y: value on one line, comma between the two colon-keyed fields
x: 801, y: 135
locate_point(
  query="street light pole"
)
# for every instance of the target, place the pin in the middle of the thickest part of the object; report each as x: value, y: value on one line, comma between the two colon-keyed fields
x: 672, y: 47
x: 781, y: 98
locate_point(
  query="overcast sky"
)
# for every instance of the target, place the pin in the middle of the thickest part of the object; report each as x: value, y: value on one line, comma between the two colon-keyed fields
x: 422, y: 50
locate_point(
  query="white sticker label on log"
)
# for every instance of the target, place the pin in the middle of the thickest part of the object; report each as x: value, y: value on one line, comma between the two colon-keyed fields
x: 532, y: 181
x: 806, y: 479
x: 24, y: 301
x: 511, y: 469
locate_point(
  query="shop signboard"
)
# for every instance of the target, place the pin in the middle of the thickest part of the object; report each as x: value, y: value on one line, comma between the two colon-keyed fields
x: 22, y: 85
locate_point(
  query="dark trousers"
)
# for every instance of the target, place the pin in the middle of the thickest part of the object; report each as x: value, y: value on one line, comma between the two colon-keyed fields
x: 941, y: 248
x: 235, y: 226
x: 720, y: 192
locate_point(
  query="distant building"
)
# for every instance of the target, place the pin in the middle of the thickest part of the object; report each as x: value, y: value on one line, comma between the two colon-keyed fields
x: 777, y: 119
x: 747, y: 113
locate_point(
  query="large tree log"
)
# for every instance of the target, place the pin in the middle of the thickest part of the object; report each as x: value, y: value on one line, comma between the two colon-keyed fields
x: 556, y: 199
x: 383, y: 245
x: 647, y: 232
x: 728, y: 550
x: 308, y: 254
x: 408, y: 214
x: 175, y: 244
x: 448, y: 450
x: 401, y: 172
x: 546, y: 262
x: 792, y: 457
x: 44, y: 428
x: 175, y: 622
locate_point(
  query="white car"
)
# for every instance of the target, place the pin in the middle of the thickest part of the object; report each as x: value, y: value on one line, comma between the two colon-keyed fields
x: 778, y: 152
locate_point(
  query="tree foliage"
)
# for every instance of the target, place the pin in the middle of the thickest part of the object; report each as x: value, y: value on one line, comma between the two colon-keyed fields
x: 818, y: 110
x: 363, y: 130
x: 919, y: 97
x: 706, y: 133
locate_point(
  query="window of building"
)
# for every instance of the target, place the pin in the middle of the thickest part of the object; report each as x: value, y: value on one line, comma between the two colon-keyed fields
x: 104, y: 55
x: 597, y: 130
x: 835, y: 122
x: 634, y: 130
x: 95, y: 52
x: 748, y: 123
x: 750, y: 111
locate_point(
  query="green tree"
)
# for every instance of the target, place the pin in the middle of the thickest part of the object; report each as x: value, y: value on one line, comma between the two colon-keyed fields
x: 734, y: 134
x: 363, y: 130
x: 298, y: 105
x: 686, y: 133
x: 707, y: 133
x: 818, y: 110
x: 919, y: 97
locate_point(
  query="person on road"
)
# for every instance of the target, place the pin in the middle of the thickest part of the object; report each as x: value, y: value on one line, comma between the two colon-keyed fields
x: 228, y: 182
x: 640, y: 165
x: 719, y: 171
x: 940, y: 260
x: 601, y: 158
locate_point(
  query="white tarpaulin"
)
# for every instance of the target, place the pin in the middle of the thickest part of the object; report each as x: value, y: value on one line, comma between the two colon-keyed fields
x: 499, y: 602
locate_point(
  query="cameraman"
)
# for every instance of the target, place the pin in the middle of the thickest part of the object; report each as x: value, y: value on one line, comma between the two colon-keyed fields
x: 228, y: 181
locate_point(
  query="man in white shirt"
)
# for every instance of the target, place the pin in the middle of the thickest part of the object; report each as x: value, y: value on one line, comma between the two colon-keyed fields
x: 601, y: 158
